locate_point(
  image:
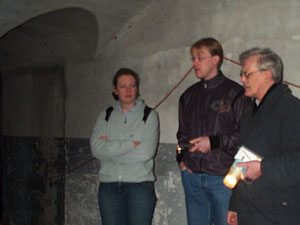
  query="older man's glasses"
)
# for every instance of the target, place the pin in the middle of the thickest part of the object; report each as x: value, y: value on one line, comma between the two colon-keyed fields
x: 247, y: 75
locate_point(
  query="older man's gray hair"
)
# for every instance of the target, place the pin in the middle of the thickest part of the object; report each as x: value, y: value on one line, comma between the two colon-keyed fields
x: 267, y: 60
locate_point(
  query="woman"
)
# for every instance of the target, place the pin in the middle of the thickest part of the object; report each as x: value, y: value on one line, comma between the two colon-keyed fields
x: 126, y: 142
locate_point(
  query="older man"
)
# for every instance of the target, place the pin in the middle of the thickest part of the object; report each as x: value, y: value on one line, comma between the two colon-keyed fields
x: 271, y: 129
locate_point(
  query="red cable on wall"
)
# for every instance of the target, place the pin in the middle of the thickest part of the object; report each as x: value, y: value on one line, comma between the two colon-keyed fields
x: 155, y: 107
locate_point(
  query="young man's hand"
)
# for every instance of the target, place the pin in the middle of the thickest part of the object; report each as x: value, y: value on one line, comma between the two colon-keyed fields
x: 232, y: 218
x: 201, y: 144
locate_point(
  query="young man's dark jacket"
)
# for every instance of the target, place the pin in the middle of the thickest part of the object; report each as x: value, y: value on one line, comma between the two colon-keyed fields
x: 272, y: 130
x: 211, y: 108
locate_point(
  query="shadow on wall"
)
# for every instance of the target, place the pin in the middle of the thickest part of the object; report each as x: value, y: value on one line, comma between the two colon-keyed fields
x: 66, y: 35
x: 32, y: 62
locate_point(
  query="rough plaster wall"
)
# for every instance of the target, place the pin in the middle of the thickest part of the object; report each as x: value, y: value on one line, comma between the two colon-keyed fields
x: 34, y: 118
x: 16, y: 99
x: 82, y: 83
x: 170, y: 207
x: 111, y: 14
x: 81, y: 204
x: 34, y: 102
x: 29, y: 198
x: 156, y: 44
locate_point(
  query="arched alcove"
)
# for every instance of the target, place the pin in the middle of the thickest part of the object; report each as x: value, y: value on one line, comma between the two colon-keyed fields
x: 60, y: 36
x: 33, y: 57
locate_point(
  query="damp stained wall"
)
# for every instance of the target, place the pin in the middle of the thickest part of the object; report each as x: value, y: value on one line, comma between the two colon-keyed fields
x: 155, y: 42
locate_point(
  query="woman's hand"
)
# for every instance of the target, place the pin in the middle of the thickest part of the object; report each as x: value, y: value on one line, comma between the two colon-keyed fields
x: 103, y: 138
x: 136, y: 144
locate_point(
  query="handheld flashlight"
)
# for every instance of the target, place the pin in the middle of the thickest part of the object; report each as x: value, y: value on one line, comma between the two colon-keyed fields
x: 236, y: 172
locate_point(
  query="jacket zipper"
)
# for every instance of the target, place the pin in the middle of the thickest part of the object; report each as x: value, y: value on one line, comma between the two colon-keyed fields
x: 203, y: 107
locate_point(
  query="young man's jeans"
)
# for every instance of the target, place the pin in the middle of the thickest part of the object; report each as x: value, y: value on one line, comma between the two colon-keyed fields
x: 206, y: 197
x: 126, y: 203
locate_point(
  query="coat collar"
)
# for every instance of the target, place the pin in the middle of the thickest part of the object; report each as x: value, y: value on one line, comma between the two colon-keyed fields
x: 214, y: 82
x: 274, y: 92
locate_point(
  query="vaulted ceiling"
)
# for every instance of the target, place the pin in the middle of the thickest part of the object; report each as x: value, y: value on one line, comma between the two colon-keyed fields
x: 33, y: 34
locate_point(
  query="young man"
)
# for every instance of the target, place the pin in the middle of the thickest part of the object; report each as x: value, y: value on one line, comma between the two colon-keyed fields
x: 271, y: 130
x: 209, y: 115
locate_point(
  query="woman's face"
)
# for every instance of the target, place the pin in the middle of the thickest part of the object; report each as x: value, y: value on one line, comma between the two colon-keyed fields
x: 126, y: 89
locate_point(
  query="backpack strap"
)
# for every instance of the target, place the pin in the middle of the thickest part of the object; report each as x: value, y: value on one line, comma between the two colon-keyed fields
x: 147, y: 111
x: 108, y: 112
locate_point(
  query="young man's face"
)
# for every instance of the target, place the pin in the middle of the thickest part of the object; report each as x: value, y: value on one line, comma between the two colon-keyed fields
x: 205, y: 65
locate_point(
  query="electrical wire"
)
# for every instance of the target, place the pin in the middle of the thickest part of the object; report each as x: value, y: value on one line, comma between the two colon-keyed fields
x: 155, y: 107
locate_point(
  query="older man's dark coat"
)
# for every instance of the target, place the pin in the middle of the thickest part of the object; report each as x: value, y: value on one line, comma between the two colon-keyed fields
x: 272, y: 130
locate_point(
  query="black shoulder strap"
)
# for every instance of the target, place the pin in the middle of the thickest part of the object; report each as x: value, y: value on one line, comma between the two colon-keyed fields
x: 147, y: 111
x: 108, y: 112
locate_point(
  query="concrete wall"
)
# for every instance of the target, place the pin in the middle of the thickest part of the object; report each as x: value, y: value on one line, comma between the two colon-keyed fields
x: 156, y: 44
x: 32, y: 150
